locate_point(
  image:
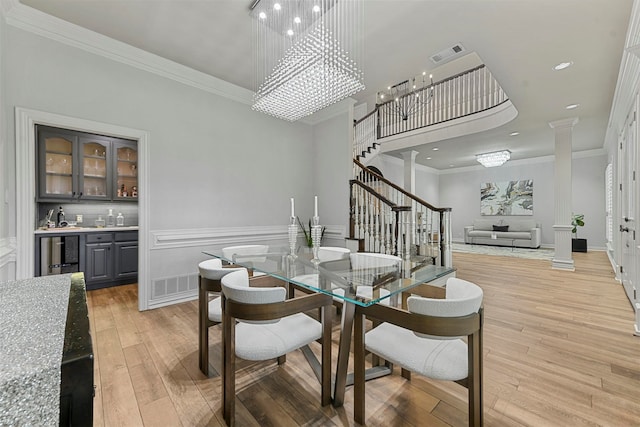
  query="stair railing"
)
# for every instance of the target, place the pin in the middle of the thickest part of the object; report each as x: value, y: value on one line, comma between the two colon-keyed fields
x: 365, y: 133
x: 467, y: 93
x: 391, y: 220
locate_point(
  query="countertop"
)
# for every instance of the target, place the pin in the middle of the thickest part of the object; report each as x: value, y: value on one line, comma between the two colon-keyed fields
x: 33, y: 314
x: 68, y: 230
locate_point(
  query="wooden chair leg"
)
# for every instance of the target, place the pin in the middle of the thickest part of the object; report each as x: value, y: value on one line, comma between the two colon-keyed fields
x: 406, y: 374
x: 359, y: 369
x: 228, y: 370
x: 326, y: 319
x: 282, y: 359
x: 203, y: 328
x: 474, y: 384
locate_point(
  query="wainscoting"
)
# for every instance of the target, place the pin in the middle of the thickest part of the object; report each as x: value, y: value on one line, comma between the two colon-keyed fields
x: 7, y: 259
x: 175, y: 254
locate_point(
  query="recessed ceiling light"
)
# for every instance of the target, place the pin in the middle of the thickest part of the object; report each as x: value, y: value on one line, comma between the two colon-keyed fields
x: 514, y: 133
x: 277, y: 6
x: 428, y: 158
x: 262, y: 15
x: 572, y: 106
x: 450, y: 166
x: 289, y: 32
x: 563, y: 65
x: 316, y: 8
x: 436, y: 149
x: 297, y: 20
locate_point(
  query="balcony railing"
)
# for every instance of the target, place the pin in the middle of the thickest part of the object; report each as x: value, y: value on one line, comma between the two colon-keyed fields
x: 469, y: 92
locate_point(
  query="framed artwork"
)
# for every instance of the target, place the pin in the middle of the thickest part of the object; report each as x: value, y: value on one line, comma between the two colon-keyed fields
x: 507, y: 198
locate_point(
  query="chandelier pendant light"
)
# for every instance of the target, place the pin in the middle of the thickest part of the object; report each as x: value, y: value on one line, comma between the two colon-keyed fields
x: 493, y: 159
x: 307, y: 54
x: 406, y: 97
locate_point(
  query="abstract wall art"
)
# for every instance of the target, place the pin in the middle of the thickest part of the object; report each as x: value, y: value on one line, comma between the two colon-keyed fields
x: 507, y: 198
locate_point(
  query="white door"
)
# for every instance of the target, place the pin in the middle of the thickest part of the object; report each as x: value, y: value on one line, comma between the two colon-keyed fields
x: 628, y: 162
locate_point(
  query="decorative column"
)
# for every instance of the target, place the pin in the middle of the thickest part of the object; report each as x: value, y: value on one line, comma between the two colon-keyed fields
x: 410, y: 170
x: 563, y: 195
x: 410, y: 186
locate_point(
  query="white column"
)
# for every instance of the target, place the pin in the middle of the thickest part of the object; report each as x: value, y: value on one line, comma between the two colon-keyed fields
x: 563, y: 196
x: 410, y: 186
x: 410, y: 170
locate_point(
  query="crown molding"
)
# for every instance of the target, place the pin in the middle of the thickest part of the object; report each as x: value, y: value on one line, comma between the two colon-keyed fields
x: 37, y: 22
x: 34, y: 21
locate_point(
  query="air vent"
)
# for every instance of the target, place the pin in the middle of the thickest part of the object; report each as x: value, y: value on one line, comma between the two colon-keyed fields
x: 448, y: 54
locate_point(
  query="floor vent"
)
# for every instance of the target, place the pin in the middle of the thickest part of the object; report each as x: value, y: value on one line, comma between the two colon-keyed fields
x: 174, y: 285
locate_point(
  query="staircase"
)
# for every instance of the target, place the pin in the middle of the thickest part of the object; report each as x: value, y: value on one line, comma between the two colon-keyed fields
x: 385, y: 218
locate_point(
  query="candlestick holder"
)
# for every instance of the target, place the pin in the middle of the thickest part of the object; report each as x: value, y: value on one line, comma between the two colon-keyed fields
x: 316, y: 237
x: 293, y: 236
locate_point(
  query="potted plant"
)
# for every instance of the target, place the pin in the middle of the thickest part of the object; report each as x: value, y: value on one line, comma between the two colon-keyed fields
x: 307, y: 233
x: 577, y: 245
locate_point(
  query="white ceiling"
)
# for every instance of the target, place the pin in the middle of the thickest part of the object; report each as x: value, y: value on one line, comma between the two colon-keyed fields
x: 519, y: 40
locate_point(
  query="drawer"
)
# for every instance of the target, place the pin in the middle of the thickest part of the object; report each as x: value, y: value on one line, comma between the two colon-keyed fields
x: 126, y: 236
x: 99, y: 237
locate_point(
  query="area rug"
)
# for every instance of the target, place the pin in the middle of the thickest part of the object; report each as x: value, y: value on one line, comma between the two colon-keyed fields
x: 539, y: 253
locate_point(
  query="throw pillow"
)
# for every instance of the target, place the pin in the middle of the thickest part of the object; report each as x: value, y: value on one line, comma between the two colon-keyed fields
x: 500, y: 228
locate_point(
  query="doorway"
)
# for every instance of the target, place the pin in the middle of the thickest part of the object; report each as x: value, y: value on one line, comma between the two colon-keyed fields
x: 25, y: 122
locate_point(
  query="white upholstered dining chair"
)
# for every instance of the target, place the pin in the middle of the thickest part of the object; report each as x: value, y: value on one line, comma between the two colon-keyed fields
x: 261, y: 324
x: 209, y: 311
x: 367, y: 261
x: 247, y: 254
x: 426, y: 339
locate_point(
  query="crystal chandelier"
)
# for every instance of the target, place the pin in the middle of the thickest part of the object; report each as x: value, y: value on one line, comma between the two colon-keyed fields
x: 407, y: 97
x: 493, y: 159
x: 307, y: 54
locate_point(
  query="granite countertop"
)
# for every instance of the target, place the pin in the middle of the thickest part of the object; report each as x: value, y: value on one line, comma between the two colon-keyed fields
x: 33, y: 314
x: 84, y: 229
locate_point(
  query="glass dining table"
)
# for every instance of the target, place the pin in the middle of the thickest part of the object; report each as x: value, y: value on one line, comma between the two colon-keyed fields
x: 376, y: 281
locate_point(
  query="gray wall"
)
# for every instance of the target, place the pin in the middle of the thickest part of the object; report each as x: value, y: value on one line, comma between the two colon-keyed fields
x: 206, y: 164
x: 213, y: 162
x: 460, y: 190
x: 332, y: 166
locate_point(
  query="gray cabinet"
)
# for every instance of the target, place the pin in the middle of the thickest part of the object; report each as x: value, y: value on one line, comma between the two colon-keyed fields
x: 111, y: 258
x: 126, y: 255
x: 99, y: 258
x: 81, y: 166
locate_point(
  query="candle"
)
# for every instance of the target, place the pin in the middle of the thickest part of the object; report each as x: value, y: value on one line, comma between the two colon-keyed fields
x: 292, y: 210
x: 315, y: 206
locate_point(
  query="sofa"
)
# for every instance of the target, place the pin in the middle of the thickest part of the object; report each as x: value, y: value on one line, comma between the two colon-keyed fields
x: 514, y: 232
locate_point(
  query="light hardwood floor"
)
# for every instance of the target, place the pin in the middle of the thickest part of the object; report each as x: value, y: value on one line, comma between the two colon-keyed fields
x: 558, y: 351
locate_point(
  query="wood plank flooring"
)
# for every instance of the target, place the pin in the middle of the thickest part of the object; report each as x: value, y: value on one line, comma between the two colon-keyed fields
x: 558, y: 351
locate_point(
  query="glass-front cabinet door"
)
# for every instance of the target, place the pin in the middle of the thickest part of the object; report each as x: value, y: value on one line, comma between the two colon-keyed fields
x: 81, y: 166
x: 57, y: 178
x: 95, y: 181
x: 126, y: 170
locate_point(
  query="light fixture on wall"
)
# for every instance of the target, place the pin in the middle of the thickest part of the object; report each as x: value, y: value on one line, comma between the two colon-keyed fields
x: 307, y: 54
x: 493, y: 159
x: 408, y: 97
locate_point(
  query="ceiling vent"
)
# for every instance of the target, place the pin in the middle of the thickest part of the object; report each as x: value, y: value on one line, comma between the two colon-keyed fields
x: 448, y: 54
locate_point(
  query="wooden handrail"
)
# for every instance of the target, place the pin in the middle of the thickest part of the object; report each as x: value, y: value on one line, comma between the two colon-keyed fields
x: 400, y: 189
x: 356, y: 122
x: 375, y: 193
